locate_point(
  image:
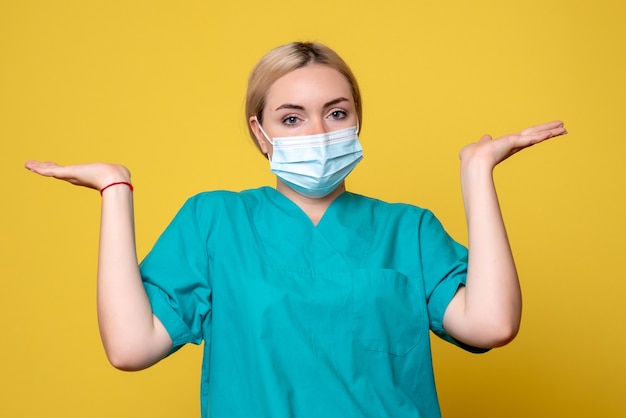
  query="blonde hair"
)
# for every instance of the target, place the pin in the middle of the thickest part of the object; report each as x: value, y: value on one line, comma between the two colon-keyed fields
x: 285, y: 59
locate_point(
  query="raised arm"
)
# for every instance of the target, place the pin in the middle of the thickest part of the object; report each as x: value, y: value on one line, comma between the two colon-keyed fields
x: 133, y: 337
x: 487, y: 311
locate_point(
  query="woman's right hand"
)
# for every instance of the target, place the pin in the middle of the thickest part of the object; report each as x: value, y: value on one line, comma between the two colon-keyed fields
x: 93, y: 175
x: 133, y: 337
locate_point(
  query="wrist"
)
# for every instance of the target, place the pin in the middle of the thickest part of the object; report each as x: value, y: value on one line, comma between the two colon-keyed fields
x: 112, y: 173
x: 476, y: 167
x: 115, y: 173
x: 117, y: 183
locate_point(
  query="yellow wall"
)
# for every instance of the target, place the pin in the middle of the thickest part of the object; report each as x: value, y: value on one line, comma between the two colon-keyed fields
x: 158, y: 86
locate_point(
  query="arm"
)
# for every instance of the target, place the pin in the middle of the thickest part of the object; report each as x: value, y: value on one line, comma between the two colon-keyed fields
x: 132, y: 336
x: 486, y: 312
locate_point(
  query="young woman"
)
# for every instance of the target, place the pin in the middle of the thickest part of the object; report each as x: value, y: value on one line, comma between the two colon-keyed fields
x: 312, y: 301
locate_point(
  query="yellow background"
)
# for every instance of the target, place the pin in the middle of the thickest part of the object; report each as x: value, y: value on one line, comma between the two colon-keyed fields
x: 159, y: 86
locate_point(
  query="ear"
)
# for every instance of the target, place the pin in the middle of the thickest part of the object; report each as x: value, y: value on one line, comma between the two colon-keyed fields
x: 260, y: 138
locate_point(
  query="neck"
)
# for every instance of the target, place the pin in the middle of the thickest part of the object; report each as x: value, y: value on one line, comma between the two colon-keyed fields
x: 313, y: 208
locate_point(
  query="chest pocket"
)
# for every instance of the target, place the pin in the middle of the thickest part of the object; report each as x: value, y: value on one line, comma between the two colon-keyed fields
x: 388, y: 311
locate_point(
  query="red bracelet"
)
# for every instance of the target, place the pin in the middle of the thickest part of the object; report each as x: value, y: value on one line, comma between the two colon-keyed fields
x: 116, y: 183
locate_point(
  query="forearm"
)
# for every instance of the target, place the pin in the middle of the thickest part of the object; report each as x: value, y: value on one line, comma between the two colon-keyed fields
x: 488, y: 308
x: 133, y: 338
x: 487, y: 311
x: 492, y: 292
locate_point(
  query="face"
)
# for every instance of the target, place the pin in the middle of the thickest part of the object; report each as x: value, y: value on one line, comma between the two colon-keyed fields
x: 310, y: 100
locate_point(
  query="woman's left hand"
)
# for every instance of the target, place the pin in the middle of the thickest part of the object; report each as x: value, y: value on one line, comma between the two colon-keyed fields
x: 486, y: 312
x: 494, y: 151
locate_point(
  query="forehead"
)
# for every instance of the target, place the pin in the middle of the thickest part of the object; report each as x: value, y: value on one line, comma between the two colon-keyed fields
x: 312, y: 84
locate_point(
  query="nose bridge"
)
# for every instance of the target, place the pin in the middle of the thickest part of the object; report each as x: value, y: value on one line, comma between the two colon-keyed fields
x: 317, y: 125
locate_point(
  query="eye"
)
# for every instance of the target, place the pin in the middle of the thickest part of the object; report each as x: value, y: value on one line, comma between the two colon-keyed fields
x: 337, y: 114
x: 290, y: 120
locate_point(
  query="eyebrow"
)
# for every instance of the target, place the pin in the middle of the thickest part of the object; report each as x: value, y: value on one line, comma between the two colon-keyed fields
x: 299, y: 107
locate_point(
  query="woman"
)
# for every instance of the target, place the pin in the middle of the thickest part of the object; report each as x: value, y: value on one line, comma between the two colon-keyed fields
x: 312, y: 301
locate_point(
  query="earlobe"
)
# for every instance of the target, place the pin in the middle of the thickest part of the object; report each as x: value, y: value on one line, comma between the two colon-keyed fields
x: 258, y: 134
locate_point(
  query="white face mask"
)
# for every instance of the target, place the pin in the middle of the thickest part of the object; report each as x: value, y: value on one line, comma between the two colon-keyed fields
x: 314, y: 165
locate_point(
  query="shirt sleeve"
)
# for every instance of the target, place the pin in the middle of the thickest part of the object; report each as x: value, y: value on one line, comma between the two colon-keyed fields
x: 176, y: 276
x: 444, y: 268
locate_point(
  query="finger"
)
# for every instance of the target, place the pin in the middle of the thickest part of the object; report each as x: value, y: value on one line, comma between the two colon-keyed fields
x: 554, y: 125
x: 485, y: 138
x: 526, y: 140
x: 546, y: 134
x: 47, y: 168
x: 51, y: 169
x: 537, y: 137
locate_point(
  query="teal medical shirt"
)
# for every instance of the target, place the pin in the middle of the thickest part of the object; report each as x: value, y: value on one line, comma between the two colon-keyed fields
x: 306, y: 321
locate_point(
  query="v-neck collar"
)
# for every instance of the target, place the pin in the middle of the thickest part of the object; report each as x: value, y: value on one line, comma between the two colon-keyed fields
x: 344, y: 227
x: 293, y: 208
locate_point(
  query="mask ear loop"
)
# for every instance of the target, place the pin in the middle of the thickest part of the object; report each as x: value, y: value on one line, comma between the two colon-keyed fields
x: 265, y: 135
x: 263, y: 131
